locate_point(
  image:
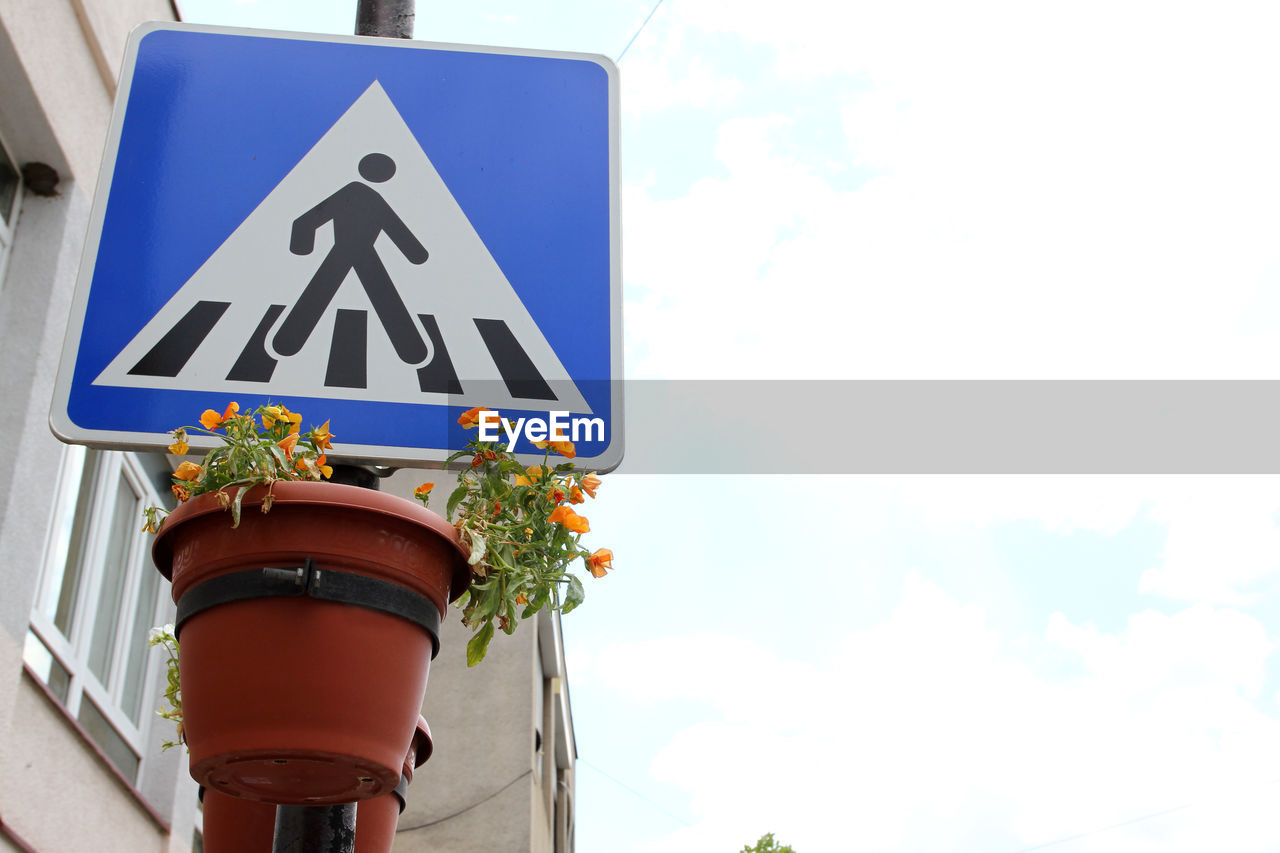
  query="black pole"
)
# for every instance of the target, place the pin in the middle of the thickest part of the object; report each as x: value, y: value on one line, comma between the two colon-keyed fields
x: 315, y: 829
x: 386, y: 18
x: 332, y: 829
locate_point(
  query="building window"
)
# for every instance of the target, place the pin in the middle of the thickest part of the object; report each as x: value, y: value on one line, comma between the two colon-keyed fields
x: 98, y: 598
x: 10, y: 201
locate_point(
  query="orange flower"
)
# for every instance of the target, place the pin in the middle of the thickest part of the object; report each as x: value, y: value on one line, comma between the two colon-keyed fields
x: 590, y: 483
x: 520, y: 598
x: 535, y: 474
x: 423, y: 490
x: 187, y: 471
x: 564, y: 448
x: 477, y: 461
x: 287, y: 444
x: 180, y: 492
x: 315, y: 467
x: 497, y: 507
x: 210, y: 419
x: 569, y: 518
x: 471, y: 417
x: 557, y: 494
x: 575, y: 495
x: 600, y: 562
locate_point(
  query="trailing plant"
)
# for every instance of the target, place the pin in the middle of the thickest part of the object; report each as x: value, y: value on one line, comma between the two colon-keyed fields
x: 171, y: 705
x: 521, y: 531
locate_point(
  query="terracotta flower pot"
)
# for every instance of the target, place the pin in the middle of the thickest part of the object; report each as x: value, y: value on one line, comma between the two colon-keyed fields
x: 306, y: 635
x: 233, y: 825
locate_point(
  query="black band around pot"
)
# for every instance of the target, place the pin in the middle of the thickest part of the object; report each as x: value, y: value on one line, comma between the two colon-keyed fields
x: 312, y: 581
x: 401, y: 792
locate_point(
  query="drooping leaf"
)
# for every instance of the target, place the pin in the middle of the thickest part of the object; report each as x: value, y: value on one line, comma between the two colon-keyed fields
x: 479, y: 644
x: 573, y: 595
x: 478, y: 549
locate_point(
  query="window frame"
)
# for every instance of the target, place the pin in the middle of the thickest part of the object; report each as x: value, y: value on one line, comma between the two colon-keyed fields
x: 8, y: 228
x: 71, y: 652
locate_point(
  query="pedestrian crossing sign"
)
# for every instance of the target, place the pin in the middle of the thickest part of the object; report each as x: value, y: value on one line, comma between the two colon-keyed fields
x: 379, y: 233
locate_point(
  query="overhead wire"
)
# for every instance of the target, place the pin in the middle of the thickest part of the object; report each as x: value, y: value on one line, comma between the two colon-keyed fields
x: 1121, y: 824
x: 643, y: 24
x: 634, y: 792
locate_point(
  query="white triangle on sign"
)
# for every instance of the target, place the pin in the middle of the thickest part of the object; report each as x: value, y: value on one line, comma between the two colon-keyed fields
x: 254, y: 269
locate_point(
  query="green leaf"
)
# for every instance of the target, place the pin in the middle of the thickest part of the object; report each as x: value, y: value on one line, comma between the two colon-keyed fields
x: 488, y: 605
x: 574, y: 595
x: 458, y: 494
x: 479, y: 644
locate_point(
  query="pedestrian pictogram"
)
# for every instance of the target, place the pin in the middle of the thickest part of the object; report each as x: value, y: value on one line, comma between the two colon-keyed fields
x: 429, y: 246
x: 359, y: 215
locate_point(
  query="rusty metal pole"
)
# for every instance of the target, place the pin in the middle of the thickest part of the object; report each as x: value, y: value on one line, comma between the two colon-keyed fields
x: 332, y: 829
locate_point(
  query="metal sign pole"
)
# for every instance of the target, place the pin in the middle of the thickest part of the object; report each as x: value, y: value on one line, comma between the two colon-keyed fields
x: 332, y: 829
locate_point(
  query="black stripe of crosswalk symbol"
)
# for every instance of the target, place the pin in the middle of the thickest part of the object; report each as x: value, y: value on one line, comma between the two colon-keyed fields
x: 349, y: 351
x: 522, y: 378
x: 255, y: 364
x: 437, y: 376
x: 171, y: 353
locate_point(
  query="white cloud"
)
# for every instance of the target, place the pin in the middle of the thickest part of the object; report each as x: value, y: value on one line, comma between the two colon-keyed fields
x: 925, y: 732
x: 1060, y: 195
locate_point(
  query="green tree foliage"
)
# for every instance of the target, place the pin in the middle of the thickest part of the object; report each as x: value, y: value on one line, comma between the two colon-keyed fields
x: 766, y: 844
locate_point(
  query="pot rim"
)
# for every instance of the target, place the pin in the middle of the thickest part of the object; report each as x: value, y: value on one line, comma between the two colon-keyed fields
x: 309, y: 493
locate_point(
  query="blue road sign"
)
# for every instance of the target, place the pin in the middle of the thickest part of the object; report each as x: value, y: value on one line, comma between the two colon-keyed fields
x: 376, y: 232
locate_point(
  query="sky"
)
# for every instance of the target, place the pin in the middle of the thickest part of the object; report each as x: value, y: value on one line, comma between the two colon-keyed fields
x: 908, y: 190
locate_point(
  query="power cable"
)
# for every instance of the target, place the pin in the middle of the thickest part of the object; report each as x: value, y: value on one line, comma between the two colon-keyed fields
x: 643, y: 24
x: 1121, y: 824
x: 633, y: 791
x: 466, y: 809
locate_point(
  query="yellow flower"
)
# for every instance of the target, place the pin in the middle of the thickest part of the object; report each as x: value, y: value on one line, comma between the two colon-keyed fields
x: 322, y: 436
x: 600, y: 562
x: 569, y: 518
x: 187, y: 471
x: 327, y: 470
x: 210, y: 419
x: 270, y: 414
x: 179, y: 446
